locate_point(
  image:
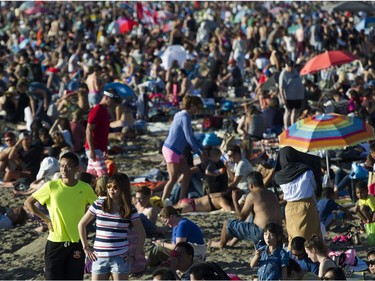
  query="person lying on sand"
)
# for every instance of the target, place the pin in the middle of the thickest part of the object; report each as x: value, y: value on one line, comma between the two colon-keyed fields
x: 207, y: 203
x: 10, y: 217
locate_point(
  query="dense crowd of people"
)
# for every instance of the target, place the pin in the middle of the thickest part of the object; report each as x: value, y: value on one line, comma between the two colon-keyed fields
x: 56, y: 62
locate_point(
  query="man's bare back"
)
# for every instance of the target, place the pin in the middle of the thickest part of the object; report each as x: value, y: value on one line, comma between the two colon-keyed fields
x: 266, y: 208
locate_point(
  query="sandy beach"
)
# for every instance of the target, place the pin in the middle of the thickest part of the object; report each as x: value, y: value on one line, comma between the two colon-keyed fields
x: 22, y: 248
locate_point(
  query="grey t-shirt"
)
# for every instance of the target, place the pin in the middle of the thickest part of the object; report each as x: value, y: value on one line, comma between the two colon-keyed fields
x: 291, y: 82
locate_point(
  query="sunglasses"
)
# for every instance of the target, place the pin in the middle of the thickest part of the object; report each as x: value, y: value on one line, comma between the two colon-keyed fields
x: 114, y: 187
x: 372, y: 262
x: 299, y: 256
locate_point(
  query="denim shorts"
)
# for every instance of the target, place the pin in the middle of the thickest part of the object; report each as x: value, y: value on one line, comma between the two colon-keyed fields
x: 244, y: 230
x: 116, y: 264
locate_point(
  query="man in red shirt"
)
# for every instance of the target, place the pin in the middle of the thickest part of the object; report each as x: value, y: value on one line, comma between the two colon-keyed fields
x: 97, y: 131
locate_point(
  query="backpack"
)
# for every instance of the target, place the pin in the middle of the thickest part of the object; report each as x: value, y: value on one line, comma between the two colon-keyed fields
x: 219, y: 272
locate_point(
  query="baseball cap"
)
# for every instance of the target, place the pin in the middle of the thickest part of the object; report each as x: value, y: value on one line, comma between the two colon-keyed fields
x: 112, y: 94
x: 48, y: 167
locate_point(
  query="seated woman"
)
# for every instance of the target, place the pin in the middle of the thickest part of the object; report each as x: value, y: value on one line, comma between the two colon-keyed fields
x: 183, y: 230
x: 207, y: 203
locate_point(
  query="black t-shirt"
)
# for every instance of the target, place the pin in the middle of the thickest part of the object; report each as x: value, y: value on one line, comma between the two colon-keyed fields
x: 236, y: 79
x: 209, y: 88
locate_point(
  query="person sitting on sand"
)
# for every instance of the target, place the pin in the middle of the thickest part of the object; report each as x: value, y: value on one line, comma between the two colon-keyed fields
x: 261, y: 207
x: 365, y: 207
x: 238, y: 177
x: 48, y: 168
x: 317, y: 251
x: 184, y: 230
x: 216, y: 177
x: 143, y: 205
x: 147, y: 212
x: 182, y: 259
x: 9, y: 138
x: 10, y: 217
x: 371, y: 265
x: 207, y: 203
x: 299, y: 255
x: 328, y: 208
x: 294, y: 272
x: 163, y: 273
x: 271, y: 259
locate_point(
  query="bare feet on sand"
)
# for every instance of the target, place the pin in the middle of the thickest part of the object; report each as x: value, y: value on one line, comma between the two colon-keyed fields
x: 214, y: 244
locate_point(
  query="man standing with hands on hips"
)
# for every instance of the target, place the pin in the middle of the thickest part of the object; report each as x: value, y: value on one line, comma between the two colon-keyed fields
x: 97, y: 132
x: 66, y: 200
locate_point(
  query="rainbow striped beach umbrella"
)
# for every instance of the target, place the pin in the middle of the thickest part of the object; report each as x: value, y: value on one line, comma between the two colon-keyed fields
x: 326, y: 132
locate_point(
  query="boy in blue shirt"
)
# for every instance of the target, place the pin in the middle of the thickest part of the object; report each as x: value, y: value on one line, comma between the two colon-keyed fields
x: 299, y: 255
x: 328, y: 208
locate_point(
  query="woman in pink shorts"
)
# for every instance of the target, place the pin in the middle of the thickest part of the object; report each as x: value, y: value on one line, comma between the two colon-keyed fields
x: 180, y: 135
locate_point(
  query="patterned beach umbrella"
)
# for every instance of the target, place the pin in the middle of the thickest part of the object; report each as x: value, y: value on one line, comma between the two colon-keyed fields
x: 325, y: 132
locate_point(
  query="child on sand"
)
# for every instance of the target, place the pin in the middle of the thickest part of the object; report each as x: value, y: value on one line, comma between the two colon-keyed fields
x: 271, y: 259
x: 328, y: 208
x: 365, y: 206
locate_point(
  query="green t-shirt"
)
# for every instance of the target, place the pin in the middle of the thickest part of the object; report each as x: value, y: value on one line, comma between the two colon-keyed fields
x: 369, y: 201
x: 66, y: 206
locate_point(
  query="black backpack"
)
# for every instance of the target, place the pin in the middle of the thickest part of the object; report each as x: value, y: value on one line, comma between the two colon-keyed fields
x: 219, y: 272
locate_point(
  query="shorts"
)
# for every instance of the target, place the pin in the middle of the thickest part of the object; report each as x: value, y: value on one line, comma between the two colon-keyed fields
x: 98, y: 167
x: 170, y: 156
x: 293, y: 104
x: 94, y: 99
x: 116, y: 264
x: 244, y: 230
x: 189, y: 201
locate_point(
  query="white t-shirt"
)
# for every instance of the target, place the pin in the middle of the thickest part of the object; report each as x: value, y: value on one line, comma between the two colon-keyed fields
x: 301, y: 188
x: 243, y: 168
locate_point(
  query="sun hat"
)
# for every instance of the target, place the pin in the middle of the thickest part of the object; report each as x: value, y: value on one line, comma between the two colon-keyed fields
x: 48, y: 167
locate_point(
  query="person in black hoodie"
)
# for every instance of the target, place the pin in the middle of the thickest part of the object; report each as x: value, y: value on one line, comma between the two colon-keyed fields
x: 299, y: 177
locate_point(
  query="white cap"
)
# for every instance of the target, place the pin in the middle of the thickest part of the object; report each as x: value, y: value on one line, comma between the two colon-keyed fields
x: 48, y: 167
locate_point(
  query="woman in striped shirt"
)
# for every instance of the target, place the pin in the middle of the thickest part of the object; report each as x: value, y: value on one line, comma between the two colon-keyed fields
x: 114, y: 215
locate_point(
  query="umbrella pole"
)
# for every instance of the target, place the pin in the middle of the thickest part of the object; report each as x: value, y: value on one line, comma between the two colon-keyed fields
x: 327, y: 162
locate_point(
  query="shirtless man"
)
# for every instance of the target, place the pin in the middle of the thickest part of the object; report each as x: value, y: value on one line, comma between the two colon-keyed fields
x: 142, y: 203
x: 261, y: 207
x: 92, y: 83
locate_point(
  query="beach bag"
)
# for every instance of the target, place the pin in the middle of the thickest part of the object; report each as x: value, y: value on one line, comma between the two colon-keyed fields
x: 358, y: 172
x: 370, y: 231
x: 219, y: 272
x: 349, y: 257
x: 211, y: 139
x: 199, y: 252
x: 22, y: 184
